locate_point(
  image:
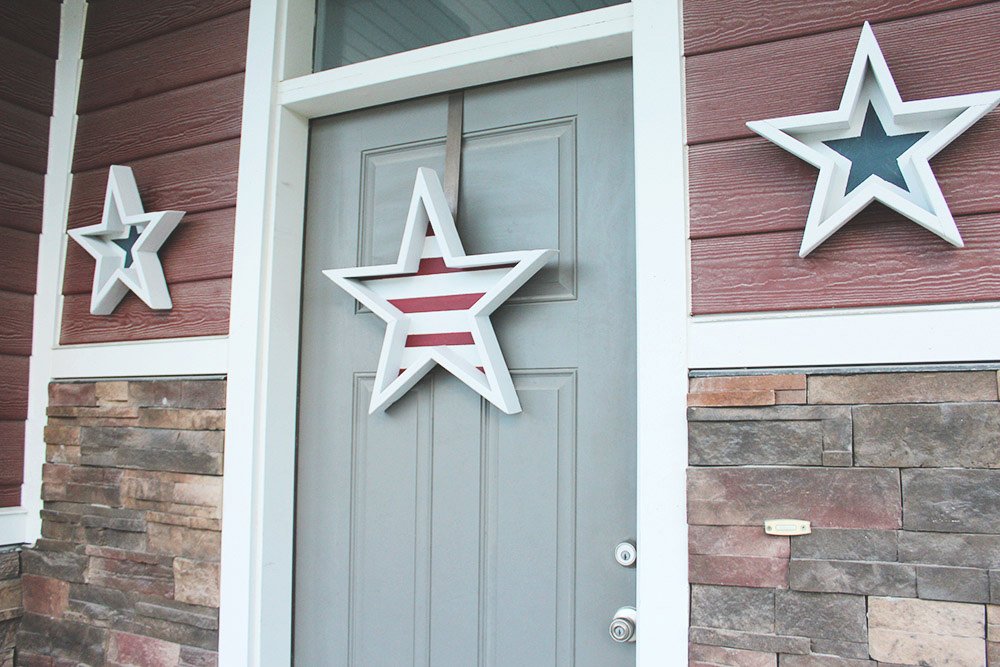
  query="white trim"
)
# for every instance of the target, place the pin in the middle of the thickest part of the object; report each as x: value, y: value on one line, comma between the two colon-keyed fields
x: 51, y: 243
x: 662, y: 305
x: 569, y: 41
x: 13, y: 525
x: 172, y: 356
x: 845, y: 337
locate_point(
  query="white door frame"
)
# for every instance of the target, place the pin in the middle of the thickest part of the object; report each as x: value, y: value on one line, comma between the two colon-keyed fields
x: 281, y: 97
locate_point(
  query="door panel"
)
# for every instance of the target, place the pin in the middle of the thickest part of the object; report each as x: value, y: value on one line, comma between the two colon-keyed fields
x: 442, y: 531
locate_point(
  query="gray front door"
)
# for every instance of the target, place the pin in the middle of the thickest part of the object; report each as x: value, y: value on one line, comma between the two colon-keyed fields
x: 442, y: 531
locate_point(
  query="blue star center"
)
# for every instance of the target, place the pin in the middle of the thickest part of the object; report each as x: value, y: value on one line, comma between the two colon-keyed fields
x: 874, y: 153
x: 127, y: 243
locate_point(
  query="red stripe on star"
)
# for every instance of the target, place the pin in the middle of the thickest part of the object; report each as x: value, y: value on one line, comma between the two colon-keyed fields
x: 428, y: 340
x: 430, y: 304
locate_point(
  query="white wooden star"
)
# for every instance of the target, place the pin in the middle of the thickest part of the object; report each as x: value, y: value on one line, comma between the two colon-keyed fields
x: 125, y: 244
x: 890, y: 157
x: 437, y: 301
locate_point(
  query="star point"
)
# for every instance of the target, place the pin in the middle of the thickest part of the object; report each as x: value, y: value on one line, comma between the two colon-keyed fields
x: 876, y: 147
x: 125, y: 245
x: 436, y: 302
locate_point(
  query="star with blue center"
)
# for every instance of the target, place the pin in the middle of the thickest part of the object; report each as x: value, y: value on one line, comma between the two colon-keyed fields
x: 876, y: 147
x: 125, y: 244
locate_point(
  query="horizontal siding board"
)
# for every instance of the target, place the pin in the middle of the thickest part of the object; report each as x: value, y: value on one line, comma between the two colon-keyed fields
x: 18, y: 260
x: 31, y: 23
x: 21, y: 194
x: 958, y: 53
x: 24, y: 137
x: 13, y: 387
x: 196, y: 115
x: 710, y: 25
x: 112, y: 24
x: 15, y: 322
x: 26, y: 77
x: 200, y: 248
x: 750, y: 185
x: 197, y: 179
x: 863, y: 264
x: 10, y: 496
x: 202, y: 52
x: 199, y: 309
x: 11, y: 453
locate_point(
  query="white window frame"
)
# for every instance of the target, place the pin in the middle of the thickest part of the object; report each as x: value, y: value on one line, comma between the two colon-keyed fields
x: 281, y: 97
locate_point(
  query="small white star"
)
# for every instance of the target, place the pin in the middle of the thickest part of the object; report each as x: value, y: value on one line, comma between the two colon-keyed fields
x: 125, y: 244
x: 890, y: 156
x: 437, y: 301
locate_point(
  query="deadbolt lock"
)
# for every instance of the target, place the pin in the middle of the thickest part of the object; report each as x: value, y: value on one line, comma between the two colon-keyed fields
x: 625, y: 554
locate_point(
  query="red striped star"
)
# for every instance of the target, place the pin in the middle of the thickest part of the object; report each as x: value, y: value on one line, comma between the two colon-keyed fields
x: 437, y: 301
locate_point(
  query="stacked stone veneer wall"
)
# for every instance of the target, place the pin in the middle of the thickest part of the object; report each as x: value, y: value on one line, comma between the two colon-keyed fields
x: 10, y: 603
x: 898, y: 473
x: 127, y: 570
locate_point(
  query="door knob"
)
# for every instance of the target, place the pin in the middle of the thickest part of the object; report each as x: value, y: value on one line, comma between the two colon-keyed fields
x: 623, y: 625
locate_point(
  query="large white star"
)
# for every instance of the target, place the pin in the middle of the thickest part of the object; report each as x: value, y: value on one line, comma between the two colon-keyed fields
x: 436, y: 302
x: 125, y: 244
x: 837, y: 198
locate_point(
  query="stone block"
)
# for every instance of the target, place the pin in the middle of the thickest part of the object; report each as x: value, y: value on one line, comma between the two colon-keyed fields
x: 833, y: 423
x: 846, y: 544
x: 993, y: 623
x: 175, y: 493
x: 957, y: 549
x: 858, y: 578
x: 993, y: 654
x: 923, y: 632
x: 196, y: 582
x: 56, y: 434
x: 175, y: 612
x: 753, y: 641
x: 182, y: 419
x: 731, y: 398
x: 738, y: 571
x: 72, y: 393
x: 957, y: 501
x: 67, y: 454
x: 44, y: 595
x: 840, y: 648
x: 136, y: 651
x: 828, y: 497
x: 112, y: 414
x: 111, y: 392
x: 727, y: 443
x: 736, y: 541
x: 63, y: 565
x: 10, y: 564
x: 153, y: 449
x: 959, y: 435
x: 957, y: 584
x: 917, y: 387
x: 8, y: 632
x: 995, y: 586
x: 62, y: 639
x: 101, y: 606
x: 822, y: 661
x: 821, y: 615
x: 782, y: 382
x: 131, y: 576
x: 199, y: 394
x: 184, y: 542
x: 10, y: 598
x: 197, y: 657
x: 730, y: 657
x: 733, y: 608
x: 81, y: 484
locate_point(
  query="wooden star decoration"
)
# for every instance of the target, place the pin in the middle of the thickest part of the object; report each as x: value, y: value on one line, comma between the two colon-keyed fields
x: 876, y: 147
x: 125, y: 244
x: 436, y: 302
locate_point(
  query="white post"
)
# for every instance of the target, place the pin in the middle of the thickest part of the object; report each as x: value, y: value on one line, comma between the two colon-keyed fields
x: 662, y: 302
